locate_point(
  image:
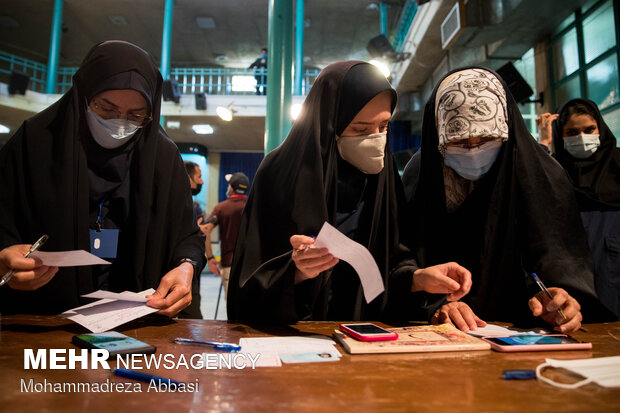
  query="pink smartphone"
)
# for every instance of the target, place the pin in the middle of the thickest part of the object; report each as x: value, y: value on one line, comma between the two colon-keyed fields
x: 368, y: 332
x: 536, y: 342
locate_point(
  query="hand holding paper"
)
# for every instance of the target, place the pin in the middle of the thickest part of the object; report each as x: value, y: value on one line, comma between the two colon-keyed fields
x: 21, y: 271
x: 309, y: 260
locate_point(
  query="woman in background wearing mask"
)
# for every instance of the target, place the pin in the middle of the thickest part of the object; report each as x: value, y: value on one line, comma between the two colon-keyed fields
x: 97, y: 164
x: 335, y: 166
x: 586, y: 148
x: 483, y: 193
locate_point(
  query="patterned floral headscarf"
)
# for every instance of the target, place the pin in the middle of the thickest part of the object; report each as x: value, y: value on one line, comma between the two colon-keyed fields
x: 470, y: 103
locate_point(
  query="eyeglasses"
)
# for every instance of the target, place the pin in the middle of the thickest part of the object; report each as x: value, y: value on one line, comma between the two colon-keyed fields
x: 466, y: 144
x: 108, y: 112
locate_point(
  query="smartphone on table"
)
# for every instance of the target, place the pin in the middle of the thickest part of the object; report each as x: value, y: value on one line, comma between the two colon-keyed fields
x: 114, y: 342
x: 368, y: 332
x: 536, y: 342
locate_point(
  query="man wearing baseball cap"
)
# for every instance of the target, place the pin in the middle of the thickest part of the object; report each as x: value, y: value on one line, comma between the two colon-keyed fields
x: 227, y: 214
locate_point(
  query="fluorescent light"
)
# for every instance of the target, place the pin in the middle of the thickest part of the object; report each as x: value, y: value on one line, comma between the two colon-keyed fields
x: 383, y: 68
x: 203, y: 129
x: 243, y: 84
x: 173, y: 124
x: 225, y: 112
x: 4, y: 129
x: 295, y: 110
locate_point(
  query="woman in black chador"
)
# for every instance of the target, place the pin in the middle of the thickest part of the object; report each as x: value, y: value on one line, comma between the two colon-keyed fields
x: 586, y: 148
x: 335, y: 166
x: 483, y: 193
x: 97, y: 162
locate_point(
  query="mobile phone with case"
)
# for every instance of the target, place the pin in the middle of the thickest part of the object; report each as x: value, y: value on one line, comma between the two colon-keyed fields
x: 114, y: 342
x: 368, y: 332
x: 536, y: 342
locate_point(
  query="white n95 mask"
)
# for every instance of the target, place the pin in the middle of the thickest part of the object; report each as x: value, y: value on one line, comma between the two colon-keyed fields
x: 365, y: 152
x: 582, y: 146
x: 110, y: 133
x: 472, y: 163
x: 604, y: 371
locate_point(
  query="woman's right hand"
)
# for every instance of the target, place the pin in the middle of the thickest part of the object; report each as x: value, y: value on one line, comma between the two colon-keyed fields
x: 545, y: 131
x: 29, y: 273
x: 309, y: 260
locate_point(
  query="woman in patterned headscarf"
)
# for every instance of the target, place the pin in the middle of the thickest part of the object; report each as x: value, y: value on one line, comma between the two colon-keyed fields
x: 482, y: 192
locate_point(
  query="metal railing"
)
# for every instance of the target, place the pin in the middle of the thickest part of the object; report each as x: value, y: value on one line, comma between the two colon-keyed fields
x: 220, y: 81
x: 37, y: 71
x: 404, y: 22
x: 213, y: 81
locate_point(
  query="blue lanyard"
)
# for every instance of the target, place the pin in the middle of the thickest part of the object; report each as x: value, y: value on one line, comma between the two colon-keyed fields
x: 99, y: 223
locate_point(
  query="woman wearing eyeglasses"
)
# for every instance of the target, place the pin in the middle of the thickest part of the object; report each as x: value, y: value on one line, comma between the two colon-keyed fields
x: 482, y: 192
x: 95, y: 171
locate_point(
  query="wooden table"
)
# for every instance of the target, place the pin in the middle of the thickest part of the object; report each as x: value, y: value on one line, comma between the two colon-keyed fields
x: 428, y: 382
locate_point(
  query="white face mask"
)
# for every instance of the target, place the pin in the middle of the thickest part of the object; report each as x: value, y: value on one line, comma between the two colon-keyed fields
x: 110, y: 133
x: 472, y: 163
x: 604, y: 371
x: 582, y: 146
x: 365, y: 152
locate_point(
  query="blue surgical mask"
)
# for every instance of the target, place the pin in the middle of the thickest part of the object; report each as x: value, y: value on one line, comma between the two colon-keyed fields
x: 110, y: 133
x: 582, y: 146
x: 472, y: 163
x: 264, y: 56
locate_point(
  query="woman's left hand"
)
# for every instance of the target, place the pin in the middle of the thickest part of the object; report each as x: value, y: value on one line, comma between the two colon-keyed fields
x: 174, y: 292
x: 459, y: 315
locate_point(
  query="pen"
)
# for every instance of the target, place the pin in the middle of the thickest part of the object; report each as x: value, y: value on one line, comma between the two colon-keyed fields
x: 230, y: 347
x: 306, y: 246
x: 146, y: 378
x: 6, y: 277
x: 544, y: 289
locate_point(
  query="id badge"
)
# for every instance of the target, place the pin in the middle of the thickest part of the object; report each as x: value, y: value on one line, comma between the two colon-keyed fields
x: 104, y: 243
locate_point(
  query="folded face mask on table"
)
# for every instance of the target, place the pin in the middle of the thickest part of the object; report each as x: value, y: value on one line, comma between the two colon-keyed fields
x: 604, y: 371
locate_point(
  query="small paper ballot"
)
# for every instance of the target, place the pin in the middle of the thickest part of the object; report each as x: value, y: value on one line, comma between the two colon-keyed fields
x: 105, y: 314
x: 341, y: 246
x: 67, y: 258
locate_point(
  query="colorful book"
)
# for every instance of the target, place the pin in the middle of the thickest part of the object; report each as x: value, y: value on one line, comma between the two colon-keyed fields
x: 416, y: 339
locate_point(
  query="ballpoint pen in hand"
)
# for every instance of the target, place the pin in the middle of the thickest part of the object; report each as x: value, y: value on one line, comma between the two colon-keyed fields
x: 232, y: 348
x: 6, y: 277
x: 547, y: 293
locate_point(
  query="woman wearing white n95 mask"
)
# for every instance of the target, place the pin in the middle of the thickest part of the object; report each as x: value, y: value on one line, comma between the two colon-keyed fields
x: 586, y: 148
x: 483, y: 193
x: 335, y: 166
x: 95, y: 171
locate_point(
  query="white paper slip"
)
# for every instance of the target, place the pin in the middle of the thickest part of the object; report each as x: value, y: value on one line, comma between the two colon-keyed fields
x: 104, y: 315
x: 341, y: 246
x: 493, y: 330
x: 289, y: 345
x: 124, y: 296
x: 67, y: 258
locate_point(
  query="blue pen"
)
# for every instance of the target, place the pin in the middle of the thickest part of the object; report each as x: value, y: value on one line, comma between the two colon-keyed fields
x: 229, y: 347
x: 134, y: 375
x: 547, y: 293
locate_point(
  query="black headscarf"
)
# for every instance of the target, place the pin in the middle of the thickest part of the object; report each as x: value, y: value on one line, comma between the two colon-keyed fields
x: 46, y: 179
x: 296, y: 190
x: 596, y: 178
x: 520, y: 218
